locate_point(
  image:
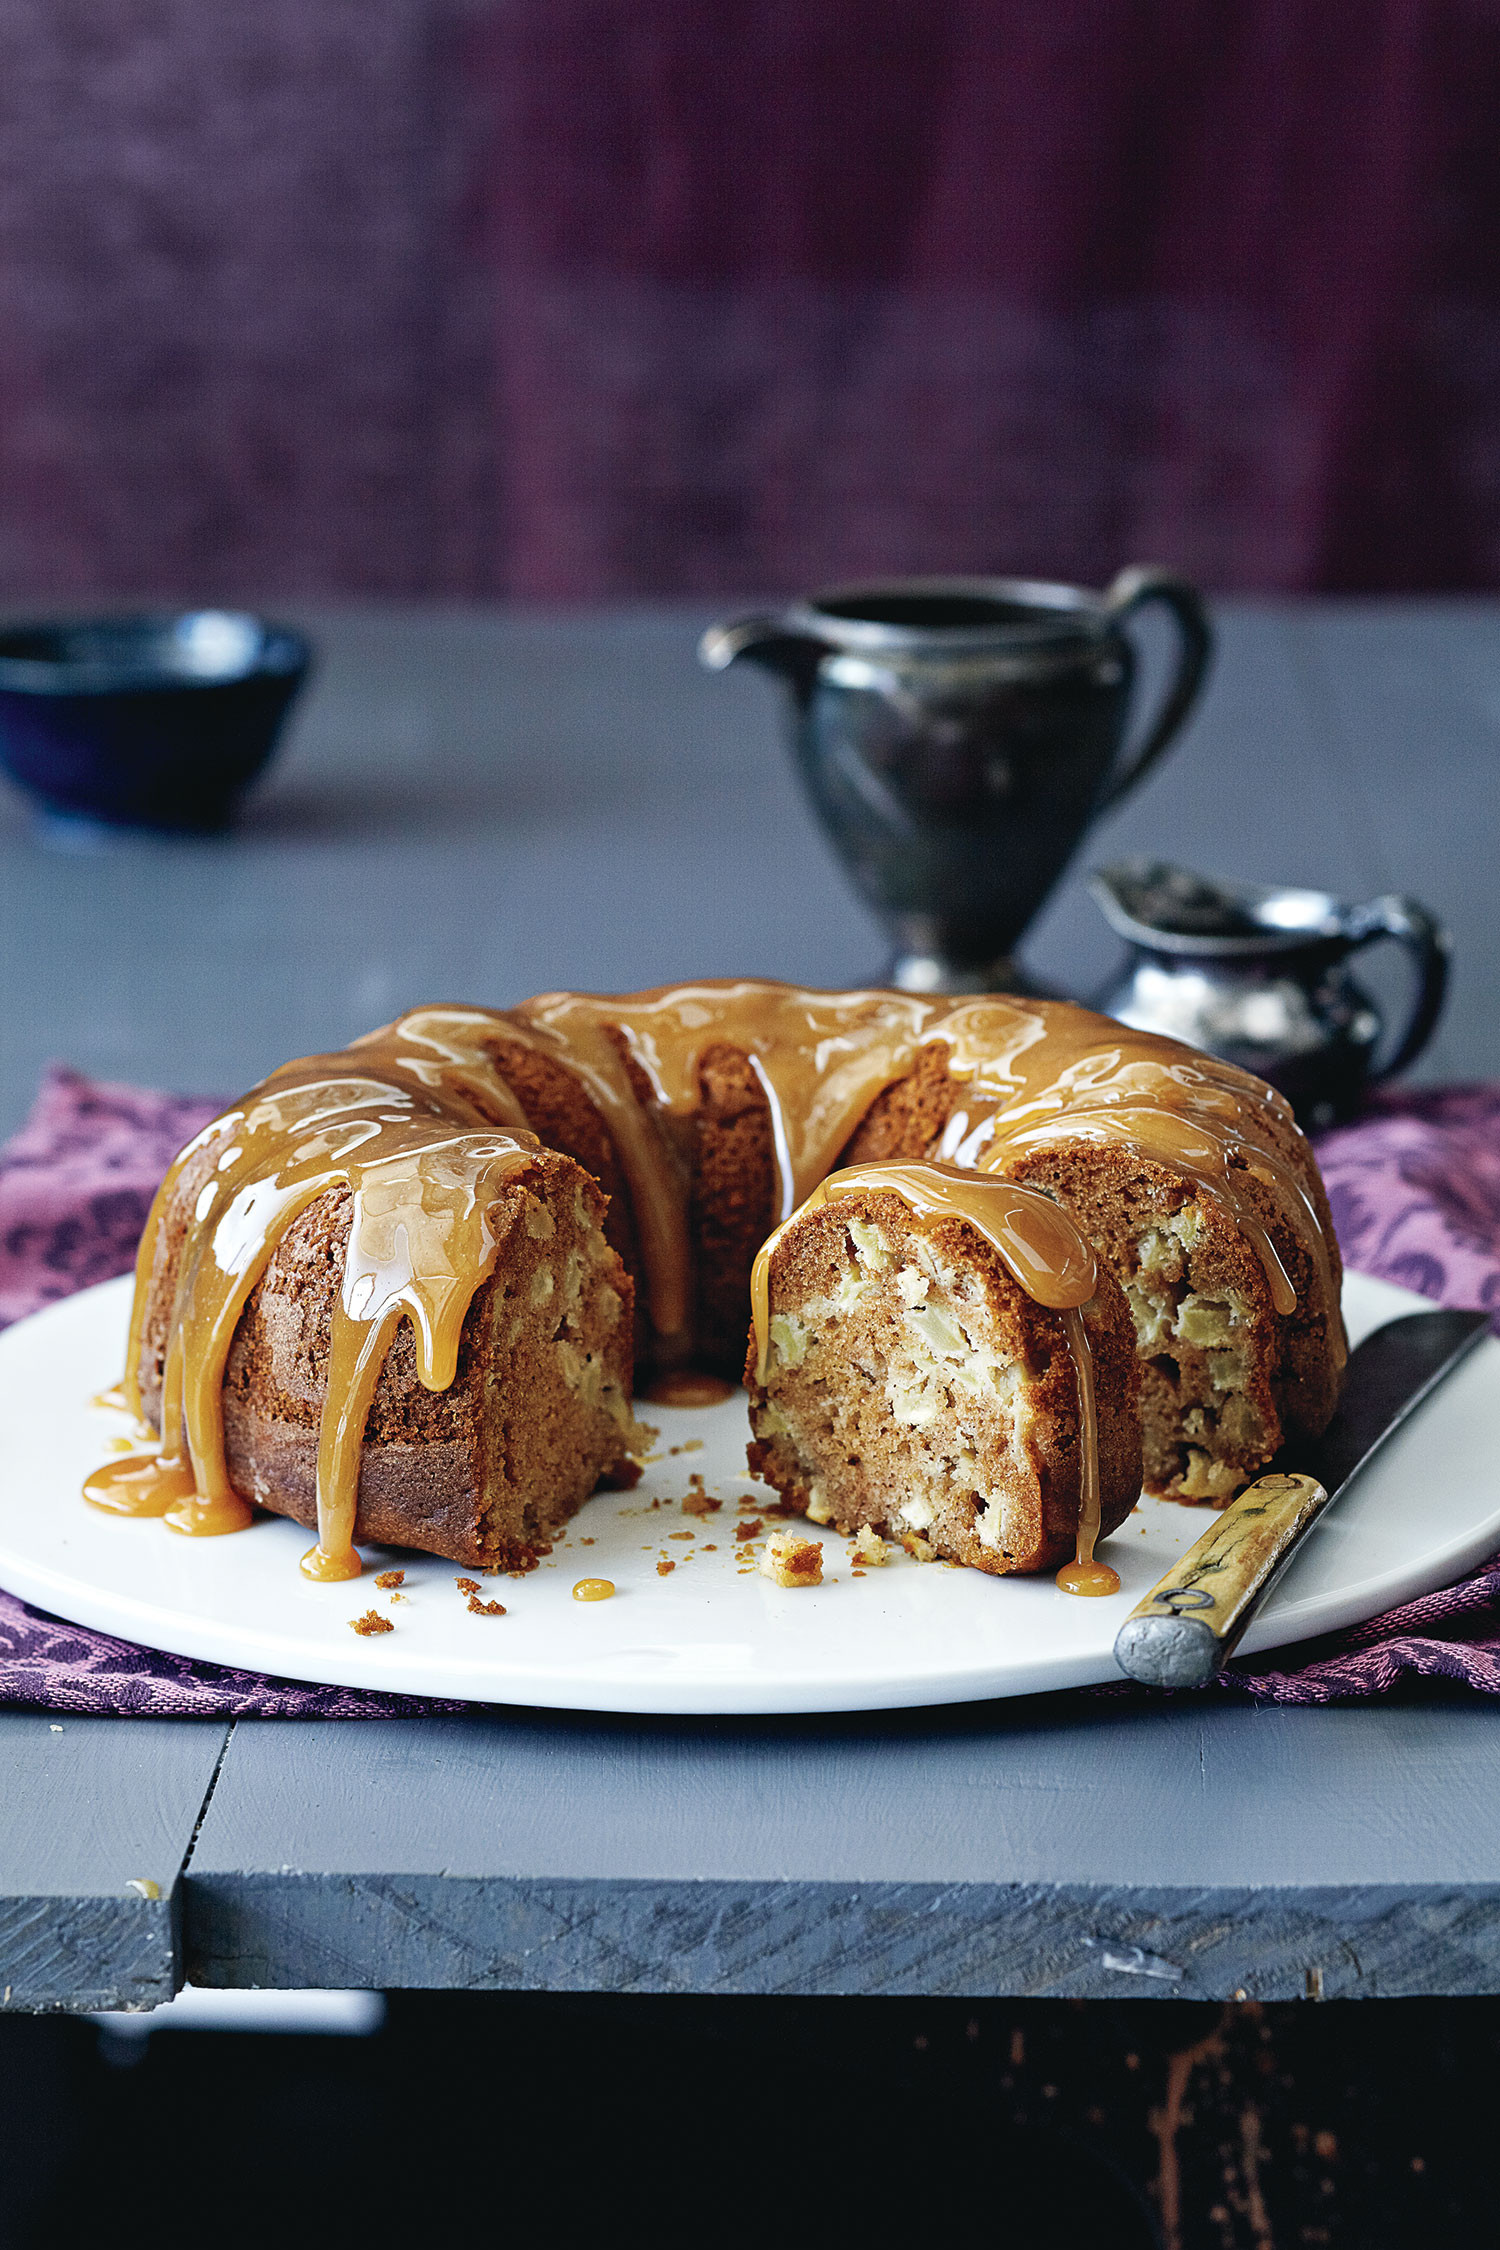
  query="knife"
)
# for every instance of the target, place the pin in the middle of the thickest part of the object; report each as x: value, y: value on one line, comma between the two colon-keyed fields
x: 1188, y: 1626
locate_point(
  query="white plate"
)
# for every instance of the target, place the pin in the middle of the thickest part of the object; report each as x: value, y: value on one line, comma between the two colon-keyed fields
x: 703, y: 1638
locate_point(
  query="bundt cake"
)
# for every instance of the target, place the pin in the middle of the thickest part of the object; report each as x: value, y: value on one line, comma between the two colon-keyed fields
x: 398, y: 1291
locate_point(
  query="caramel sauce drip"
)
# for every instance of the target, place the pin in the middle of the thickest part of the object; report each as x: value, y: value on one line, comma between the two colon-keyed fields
x: 1083, y: 1575
x: 417, y: 1124
x: 404, y: 1122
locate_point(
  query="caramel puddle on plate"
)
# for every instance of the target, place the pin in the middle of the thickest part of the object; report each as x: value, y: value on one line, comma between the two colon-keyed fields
x: 1088, y: 1578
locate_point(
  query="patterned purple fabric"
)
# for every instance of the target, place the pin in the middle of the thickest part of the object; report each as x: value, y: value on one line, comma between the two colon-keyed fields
x: 61, y: 1667
x: 1415, y: 1189
x: 76, y: 1183
x: 1451, y: 1635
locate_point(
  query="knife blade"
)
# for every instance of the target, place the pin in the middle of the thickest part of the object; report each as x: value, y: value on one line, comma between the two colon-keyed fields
x: 1189, y: 1624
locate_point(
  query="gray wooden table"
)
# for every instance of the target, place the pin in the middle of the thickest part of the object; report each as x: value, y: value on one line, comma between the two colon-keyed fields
x: 477, y: 808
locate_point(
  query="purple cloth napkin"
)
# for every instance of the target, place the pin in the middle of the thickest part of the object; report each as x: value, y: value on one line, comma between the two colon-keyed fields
x: 76, y: 1184
x: 1415, y: 1189
x: 59, y: 1667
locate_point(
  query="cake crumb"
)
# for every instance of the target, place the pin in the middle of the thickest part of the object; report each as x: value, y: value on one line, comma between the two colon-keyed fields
x: 477, y: 1608
x: 679, y: 1535
x: 710, y: 1548
x: 624, y: 1476
x: 920, y: 1549
x: 869, y: 1547
x: 688, y: 1445
x: 665, y: 1567
x: 701, y: 1503
x: 792, y: 1561
x: 467, y: 1585
x: 372, y: 1622
x: 750, y: 1530
x: 588, y: 1542
x: 385, y: 1579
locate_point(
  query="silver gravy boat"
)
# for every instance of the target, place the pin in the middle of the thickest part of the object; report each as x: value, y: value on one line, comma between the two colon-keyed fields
x: 1257, y: 973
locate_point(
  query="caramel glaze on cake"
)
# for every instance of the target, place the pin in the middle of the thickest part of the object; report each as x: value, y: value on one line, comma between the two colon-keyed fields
x: 316, y: 1323
x: 368, y: 1298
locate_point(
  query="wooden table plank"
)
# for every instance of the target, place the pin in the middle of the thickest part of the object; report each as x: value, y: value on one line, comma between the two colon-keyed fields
x: 93, y: 1807
x: 1000, y: 1850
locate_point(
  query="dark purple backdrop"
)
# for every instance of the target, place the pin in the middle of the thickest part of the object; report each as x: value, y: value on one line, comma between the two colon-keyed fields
x: 561, y: 298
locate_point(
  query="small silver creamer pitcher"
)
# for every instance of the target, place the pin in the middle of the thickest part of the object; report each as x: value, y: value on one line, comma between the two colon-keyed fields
x: 1257, y: 973
x: 957, y: 736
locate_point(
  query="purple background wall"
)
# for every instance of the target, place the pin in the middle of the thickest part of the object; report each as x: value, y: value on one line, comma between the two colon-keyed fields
x: 587, y: 298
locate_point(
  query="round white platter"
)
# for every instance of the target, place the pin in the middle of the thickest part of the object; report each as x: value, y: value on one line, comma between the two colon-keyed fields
x: 711, y: 1635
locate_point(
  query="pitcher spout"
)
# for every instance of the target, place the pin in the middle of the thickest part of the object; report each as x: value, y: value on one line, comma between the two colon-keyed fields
x: 778, y: 640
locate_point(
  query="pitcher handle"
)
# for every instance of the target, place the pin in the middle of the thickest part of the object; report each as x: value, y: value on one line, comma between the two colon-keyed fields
x: 1131, y: 591
x: 1425, y: 939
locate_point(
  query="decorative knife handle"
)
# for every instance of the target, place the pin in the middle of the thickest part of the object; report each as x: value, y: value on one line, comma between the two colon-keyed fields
x: 1188, y: 1626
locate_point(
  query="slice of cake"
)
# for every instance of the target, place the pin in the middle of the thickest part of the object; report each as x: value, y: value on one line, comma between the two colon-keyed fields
x: 911, y: 1383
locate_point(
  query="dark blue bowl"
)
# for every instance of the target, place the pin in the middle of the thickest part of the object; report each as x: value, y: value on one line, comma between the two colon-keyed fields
x: 145, y: 722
